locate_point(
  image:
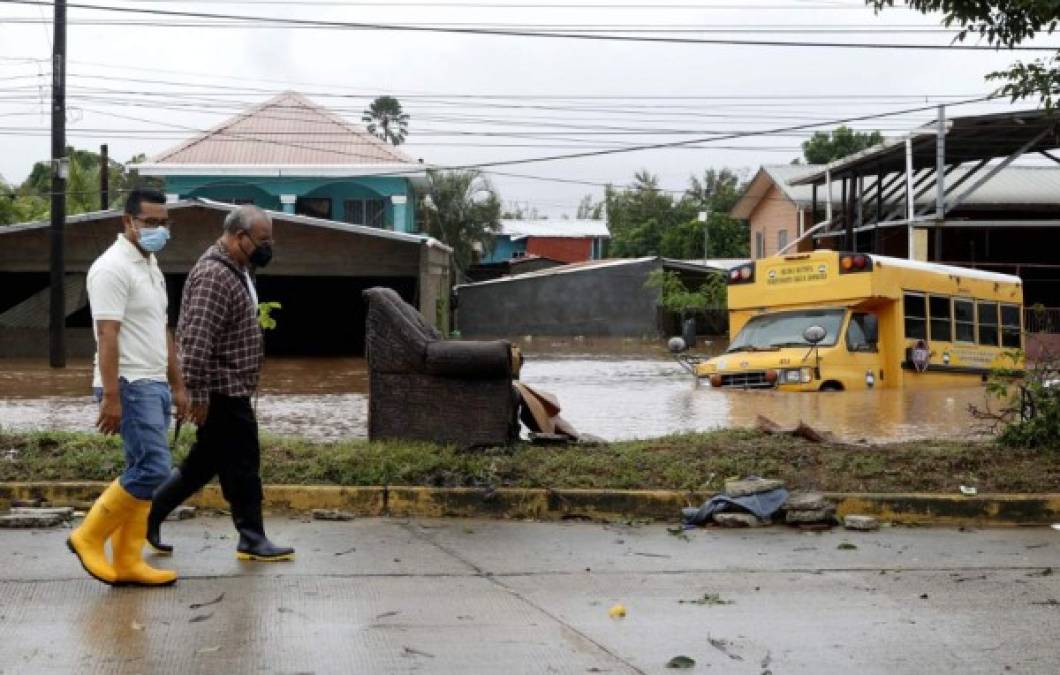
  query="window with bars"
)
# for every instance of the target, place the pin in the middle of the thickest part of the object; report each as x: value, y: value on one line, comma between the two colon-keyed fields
x: 370, y: 212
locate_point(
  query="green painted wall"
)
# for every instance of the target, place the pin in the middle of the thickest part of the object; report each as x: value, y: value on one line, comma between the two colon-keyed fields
x: 265, y: 192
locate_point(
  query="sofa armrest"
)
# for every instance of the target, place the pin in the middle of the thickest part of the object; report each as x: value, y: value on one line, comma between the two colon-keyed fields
x: 469, y: 360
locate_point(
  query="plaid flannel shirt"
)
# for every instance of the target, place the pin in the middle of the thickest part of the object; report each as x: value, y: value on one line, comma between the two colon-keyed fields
x: 220, y: 341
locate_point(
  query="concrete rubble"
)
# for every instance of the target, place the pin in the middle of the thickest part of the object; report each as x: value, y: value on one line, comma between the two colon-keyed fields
x: 751, y: 486
x: 25, y: 517
x: 332, y: 514
x: 809, y: 509
x: 861, y: 523
x: 737, y: 519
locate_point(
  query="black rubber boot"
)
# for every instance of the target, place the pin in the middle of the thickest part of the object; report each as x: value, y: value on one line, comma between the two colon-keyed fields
x: 169, y: 495
x: 253, y: 544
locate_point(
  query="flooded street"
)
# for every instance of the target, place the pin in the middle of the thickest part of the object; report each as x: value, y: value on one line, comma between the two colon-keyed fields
x: 615, y: 398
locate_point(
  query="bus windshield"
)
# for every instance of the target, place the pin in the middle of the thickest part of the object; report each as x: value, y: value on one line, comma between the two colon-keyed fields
x: 784, y: 329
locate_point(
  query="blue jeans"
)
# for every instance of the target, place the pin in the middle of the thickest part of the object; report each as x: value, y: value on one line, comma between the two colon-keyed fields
x: 145, y: 413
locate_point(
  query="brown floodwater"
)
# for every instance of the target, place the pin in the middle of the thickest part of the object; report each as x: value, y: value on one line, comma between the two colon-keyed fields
x: 630, y: 395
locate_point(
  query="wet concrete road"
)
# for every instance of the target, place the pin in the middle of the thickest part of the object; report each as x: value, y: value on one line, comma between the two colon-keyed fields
x: 468, y: 596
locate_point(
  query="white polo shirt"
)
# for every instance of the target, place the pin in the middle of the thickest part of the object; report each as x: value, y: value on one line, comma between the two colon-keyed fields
x: 125, y: 286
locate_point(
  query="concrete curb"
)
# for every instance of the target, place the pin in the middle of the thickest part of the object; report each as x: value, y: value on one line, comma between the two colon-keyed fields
x: 605, y: 505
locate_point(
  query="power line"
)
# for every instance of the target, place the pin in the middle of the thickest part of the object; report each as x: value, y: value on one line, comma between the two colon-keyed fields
x: 281, y: 21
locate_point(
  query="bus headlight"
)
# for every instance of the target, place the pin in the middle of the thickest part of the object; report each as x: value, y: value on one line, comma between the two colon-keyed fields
x: 796, y: 376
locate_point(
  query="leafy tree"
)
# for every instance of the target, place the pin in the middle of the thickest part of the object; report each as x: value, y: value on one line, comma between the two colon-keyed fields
x: 1004, y: 23
x: 677, y: 298
x: 589, y: 210
x: 82, y: 186
x: 386, y: 120
x: 646, y: 221
x: 824, y: 147
x: 462, y: 210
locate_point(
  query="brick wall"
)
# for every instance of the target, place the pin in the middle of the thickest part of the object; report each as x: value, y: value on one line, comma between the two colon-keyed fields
x: 773, y: 214
x: 566, y: 249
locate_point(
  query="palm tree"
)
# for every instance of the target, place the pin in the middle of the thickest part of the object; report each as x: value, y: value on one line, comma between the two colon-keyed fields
x: 386, y: 120
x: 462, y: 210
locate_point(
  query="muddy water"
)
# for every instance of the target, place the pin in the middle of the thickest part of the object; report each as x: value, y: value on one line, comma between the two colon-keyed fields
x: 619, y: 397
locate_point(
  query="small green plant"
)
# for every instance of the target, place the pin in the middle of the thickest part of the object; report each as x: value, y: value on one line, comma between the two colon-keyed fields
x: 678, y: 298
x: 265, y: 318
x: 1029, y: 401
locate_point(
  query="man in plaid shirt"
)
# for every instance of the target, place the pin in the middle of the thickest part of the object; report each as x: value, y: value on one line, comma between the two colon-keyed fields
x: 221, y: 352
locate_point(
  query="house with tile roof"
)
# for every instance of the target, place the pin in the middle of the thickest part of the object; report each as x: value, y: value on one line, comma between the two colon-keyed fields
x: 290, y: 154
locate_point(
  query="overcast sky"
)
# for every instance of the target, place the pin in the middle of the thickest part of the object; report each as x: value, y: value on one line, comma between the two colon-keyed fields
x: 475, y: 98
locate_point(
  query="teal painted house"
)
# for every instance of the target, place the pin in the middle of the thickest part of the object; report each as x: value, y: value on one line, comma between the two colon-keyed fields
x: 290, y: 154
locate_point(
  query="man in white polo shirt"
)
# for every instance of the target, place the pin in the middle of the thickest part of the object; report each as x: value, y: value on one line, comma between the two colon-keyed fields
x: 136, y: 364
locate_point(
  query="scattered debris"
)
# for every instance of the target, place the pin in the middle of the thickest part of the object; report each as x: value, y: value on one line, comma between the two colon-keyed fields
x: 332, y: 514
x: 846, y: 546
x: 617, y: 612
x: 969, y: 491
x: 182, y: 512
x: 736, y: 519
x: 1047, y: 572
x: 923, y: 596
x: 136, y: 626
x: 861, y: 523
x: 752, y: 485
x: 200, y: 605
x: 66, y: 512
x: 1051, y: 602
x: 723, y: 647
x: 409, y: 651
x: 651, y: 555
x: 681, y: 662
x: 804, y: 430
x: 208, y: 650
x: 351, y: 549
x: 709, y: 599
x: 386, y: 615
x: 678, y: 532
x: 199, y: 618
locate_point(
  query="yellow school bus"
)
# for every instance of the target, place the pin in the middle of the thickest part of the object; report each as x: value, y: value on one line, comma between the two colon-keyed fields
x: 831, y: 321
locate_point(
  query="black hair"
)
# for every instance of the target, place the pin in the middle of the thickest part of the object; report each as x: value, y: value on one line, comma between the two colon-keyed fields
x: 138, y: 196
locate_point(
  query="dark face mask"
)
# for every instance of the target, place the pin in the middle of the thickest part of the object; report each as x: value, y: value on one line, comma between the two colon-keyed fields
x: 261, y: 255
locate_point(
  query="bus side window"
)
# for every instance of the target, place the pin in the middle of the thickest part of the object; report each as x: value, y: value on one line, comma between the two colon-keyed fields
x: 915, y: 316
x: 988, y: 332
x: 1010, y: 326
x: 862, y: 333
x: 964, y: 320
x: 940, y: 318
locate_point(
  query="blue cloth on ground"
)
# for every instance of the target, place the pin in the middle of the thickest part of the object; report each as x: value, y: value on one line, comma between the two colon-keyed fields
x: 763, y: 505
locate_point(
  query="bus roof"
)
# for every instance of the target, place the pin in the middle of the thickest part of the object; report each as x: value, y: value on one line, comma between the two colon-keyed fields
x: 946, y: 269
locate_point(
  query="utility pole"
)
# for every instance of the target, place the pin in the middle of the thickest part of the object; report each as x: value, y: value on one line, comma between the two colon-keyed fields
x: 60, y: 170
x: 104, y: 178
x: 704, y: 217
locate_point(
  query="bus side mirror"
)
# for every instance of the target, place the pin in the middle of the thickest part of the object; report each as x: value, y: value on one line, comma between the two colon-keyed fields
x: 814, y: 334
x: 871, y: 324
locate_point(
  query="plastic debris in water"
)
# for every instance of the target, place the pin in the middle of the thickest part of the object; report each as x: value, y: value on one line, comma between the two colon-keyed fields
x: 617, y: 612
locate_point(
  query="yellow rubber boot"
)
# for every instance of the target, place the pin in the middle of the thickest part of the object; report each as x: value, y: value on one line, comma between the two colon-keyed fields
x: 128, y: 543
x: 87, y: 541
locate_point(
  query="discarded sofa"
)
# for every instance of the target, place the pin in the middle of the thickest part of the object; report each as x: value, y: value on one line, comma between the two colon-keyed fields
x: 422, y: 387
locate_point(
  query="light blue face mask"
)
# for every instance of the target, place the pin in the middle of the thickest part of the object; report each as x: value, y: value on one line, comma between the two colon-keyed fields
x: 153, y: 239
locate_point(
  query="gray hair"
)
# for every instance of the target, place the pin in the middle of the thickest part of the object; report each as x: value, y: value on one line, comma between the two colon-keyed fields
x: 242, y: 217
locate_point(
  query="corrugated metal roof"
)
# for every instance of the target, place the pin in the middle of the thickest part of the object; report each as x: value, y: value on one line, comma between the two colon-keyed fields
x: 288, y: 129
x: 1010, y: 187
x: 519, y: 229
x: 418, y: 239
x: 589, y: 265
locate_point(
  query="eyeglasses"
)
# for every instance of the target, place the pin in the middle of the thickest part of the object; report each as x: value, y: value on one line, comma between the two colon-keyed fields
x: 154, y: 223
